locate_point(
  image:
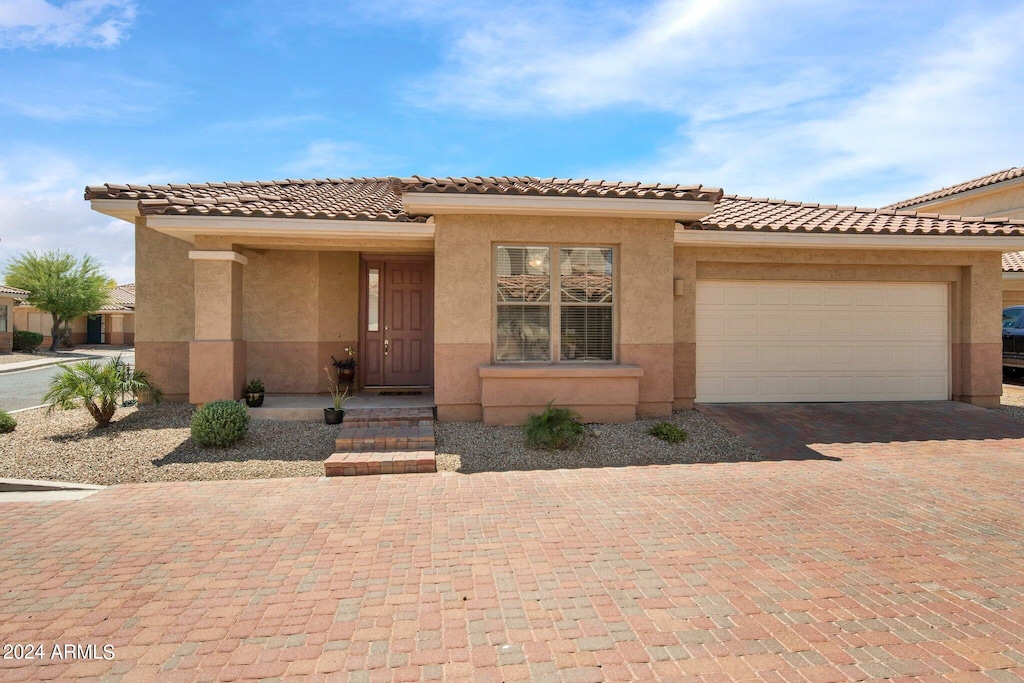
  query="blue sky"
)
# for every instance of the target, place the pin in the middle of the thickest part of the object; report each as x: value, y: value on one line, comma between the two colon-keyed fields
x: 842, y: 102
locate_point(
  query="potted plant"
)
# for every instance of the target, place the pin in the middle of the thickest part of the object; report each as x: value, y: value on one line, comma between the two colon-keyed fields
x: 254, y: 392
x: 335, y: 415
x: 347, y: 367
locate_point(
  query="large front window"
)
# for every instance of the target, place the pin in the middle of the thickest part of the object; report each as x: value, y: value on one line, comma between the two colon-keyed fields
x: 532, y: 324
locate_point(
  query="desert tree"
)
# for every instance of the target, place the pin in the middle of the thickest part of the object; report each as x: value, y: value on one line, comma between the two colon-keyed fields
x: 61, y: 284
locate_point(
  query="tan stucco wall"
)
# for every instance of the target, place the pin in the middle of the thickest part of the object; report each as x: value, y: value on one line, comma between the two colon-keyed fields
x: 975, y: 292
x: 997, y: 201
x: 7, y: 333
x: 299, y: 309
x: 464, y: 291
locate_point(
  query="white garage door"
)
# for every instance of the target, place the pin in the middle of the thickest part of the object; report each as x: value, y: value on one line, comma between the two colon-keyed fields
x: 822, y: 341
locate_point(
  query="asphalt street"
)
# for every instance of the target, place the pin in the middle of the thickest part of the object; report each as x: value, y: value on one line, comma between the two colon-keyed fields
x: 25, y: 389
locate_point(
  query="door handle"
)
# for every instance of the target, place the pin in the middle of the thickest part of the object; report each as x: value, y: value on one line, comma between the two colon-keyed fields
x: 385, y: 347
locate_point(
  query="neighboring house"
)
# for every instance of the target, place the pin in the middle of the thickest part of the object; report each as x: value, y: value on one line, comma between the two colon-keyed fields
x: 502, y: 294
x: 113, y: 324
x: 999, y: 194
x: 7, y: 300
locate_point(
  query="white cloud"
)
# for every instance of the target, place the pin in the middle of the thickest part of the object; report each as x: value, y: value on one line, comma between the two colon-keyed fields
x: 844, y: 102
x: 328, y: 158
x: 88, y: 23
x: 41, y: 207
x: 940, y: 118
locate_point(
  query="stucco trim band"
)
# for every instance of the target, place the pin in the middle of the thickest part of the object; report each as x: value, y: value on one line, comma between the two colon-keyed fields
x: 218, y: 256
x: 721, y: 238
x: 187, y: 227
x: 439, y: 203
x: 1013, y: 276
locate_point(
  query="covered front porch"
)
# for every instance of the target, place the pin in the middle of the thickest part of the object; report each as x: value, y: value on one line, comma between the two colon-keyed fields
x: 310, y: 407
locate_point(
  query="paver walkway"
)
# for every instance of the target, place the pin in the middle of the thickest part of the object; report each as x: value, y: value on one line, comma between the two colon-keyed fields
x: 879, y: 565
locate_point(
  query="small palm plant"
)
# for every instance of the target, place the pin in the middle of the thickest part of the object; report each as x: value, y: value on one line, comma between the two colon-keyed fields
x: 100, y: 387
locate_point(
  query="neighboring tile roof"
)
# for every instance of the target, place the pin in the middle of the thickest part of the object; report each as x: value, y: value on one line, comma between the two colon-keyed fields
x: 1013, y: 262
x: 560, y: 187
x: 122, y: 298
x: 374, y: 199
x: 984, y: 181
x: 12, y: 291
x: 777, y: 215
x: 368, y: 199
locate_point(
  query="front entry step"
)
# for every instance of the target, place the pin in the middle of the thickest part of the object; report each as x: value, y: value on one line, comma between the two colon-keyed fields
x: 384, y: 441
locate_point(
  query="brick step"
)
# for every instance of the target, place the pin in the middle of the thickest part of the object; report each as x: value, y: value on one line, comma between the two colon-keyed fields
x: 376, y: 462
x: 382, y: 437
x: 394, y: 417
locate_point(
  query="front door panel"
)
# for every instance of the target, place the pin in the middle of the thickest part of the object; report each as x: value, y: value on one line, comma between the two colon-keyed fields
x: 398, y: 321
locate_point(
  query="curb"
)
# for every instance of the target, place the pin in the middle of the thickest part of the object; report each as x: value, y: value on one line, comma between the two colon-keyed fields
x: 14, y: 367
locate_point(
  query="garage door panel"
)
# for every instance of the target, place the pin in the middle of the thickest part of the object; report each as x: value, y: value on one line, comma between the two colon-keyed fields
x: 814, y: 341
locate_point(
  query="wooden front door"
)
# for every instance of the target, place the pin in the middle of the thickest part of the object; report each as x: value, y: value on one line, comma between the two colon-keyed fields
x: 398, y: 321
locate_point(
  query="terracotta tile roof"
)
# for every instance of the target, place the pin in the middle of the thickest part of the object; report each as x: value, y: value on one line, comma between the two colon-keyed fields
x: 368, y: 199
x: 375, y: 199
x: 1013, y: 262
x: 122, y: 298
x: 560, y: 187
x: 13, y: 291
x: 777, y: 215
x: 984, y: 181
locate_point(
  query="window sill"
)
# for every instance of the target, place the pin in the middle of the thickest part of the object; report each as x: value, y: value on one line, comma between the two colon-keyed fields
x: 544, y: 370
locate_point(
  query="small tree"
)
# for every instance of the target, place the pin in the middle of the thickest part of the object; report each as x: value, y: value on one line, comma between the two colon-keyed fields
x: 60, y: 284
x: 99, y: 387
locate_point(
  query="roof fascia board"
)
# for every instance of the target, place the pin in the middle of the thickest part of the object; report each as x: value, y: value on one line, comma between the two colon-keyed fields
x: 722, y: 238
x: 187, y: 227
x: 964, y: 194
x: 124, y: 209
x: 1013, y: 275
x: 430, y: 203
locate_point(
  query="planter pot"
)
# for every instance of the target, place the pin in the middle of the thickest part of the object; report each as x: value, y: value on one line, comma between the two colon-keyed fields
x: 333, y: 417
x: 346, y: 375
x: 254, y: 399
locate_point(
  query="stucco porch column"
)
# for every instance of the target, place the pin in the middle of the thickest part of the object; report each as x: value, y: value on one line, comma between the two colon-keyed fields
x: 115, y: 335
x: 217, y: 361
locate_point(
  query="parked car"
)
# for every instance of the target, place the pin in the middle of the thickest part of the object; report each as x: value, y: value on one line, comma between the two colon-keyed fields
x: 1013, y: 337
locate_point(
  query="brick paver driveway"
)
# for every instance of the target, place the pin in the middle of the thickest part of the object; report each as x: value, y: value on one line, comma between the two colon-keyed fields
x: 875, y: 565
x: 836, y: 430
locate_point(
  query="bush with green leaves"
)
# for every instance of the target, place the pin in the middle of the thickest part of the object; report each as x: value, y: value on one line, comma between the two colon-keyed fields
x: 7, y: 423
x: 27, y: 341
x: 220, y: 423
x: 666, y: 431
x: 559, y: 428
x: 99, y: 387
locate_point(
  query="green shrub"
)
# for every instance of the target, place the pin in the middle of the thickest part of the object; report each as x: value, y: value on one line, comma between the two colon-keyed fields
x: 554, y: 428
x: 220, y: 423
x: 666, y: 431
x: 27, y: 341
x: 254, y: 386
x: 7, y: 423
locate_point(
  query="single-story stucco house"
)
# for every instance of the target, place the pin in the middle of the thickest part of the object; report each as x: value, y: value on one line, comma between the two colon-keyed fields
x: 113, y: 324
x: 504, y: 293
x: 8, y: 296
x: 996, y: 195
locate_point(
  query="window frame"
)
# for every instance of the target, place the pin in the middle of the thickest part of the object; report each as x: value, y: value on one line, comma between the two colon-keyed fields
x: 555, y: 303
x: 6, y: 318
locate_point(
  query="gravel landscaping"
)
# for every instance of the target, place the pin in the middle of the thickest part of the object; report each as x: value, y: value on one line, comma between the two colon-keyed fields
x: 471, y: 447
x: 152, y: 443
